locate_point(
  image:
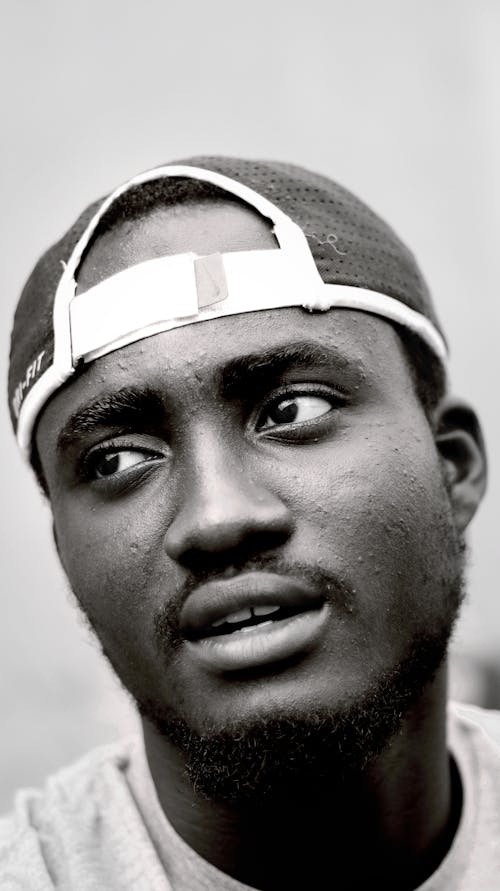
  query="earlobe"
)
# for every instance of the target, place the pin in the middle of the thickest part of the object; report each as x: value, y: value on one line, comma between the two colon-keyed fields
x: 460, y: 443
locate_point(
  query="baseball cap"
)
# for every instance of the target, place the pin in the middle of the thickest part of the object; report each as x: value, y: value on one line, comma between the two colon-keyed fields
x: 332, y: 252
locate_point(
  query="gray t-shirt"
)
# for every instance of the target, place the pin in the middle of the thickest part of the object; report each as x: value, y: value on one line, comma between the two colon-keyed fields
x: 98, y: 825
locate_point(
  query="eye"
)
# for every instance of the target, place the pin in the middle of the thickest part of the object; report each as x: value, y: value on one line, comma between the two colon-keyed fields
x: 107, y: 463
x: 295, y: 410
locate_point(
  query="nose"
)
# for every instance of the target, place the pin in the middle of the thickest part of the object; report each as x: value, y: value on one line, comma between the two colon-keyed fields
x: 224, y: 513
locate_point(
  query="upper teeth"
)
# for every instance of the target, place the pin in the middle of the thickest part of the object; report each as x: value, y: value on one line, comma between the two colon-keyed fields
x: 243, y: 615
x: 264, y: 610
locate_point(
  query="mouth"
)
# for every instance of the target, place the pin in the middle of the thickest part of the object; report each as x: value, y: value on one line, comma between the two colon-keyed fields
x: 251, y: 620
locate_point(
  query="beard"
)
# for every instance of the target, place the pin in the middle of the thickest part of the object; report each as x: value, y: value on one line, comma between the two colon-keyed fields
x: 268, y: 757
x: 251, y: 761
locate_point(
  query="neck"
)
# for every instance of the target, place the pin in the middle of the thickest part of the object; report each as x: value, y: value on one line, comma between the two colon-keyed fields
x: 393, y: 822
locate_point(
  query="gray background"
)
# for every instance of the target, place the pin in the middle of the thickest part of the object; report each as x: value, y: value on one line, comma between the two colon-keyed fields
x: 397, y: 100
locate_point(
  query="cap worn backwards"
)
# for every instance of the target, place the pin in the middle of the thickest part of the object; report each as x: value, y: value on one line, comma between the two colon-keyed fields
x: 332, y: 252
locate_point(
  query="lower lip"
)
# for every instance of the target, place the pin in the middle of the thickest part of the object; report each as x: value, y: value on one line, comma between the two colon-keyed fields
x: 272, y: 643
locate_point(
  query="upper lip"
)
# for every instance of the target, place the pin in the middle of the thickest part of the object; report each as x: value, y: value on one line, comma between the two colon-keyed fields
x: 216, y: 599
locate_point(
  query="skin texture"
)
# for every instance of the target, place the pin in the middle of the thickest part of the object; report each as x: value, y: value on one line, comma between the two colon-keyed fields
x: 365, y: 493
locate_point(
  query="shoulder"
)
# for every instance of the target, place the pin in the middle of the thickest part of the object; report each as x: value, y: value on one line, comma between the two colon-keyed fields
x: 71, y: 802
x: 479, y: 722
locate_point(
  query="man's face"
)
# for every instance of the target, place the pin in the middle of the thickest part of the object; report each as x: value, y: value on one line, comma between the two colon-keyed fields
x: 273, y: 457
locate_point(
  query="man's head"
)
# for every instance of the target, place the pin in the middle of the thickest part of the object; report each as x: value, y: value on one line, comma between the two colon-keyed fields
x: 302, y: 469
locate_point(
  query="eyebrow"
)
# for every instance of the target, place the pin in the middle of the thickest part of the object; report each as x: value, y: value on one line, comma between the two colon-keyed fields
x: 256, y: 369
x: 127, y: 408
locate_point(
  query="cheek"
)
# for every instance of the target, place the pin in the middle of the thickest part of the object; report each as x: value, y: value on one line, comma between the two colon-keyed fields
x: 111, y: 558
x: 378, y: 515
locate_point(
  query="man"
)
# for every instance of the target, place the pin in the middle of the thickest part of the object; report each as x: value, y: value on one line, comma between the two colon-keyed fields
x: 230, y: 381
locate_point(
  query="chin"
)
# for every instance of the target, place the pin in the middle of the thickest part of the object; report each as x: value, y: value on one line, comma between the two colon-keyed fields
x: 274, y: 746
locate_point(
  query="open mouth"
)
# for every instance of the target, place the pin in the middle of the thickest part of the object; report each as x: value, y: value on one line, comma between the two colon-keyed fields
x: 249, y: 619
x: 252, y: 620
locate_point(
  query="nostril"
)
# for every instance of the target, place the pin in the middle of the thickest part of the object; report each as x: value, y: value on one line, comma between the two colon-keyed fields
x: 203, y: 562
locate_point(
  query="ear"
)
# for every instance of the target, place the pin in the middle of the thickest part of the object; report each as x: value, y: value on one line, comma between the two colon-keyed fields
x: 460, y: 443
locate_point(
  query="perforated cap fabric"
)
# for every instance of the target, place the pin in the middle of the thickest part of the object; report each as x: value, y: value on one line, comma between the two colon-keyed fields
x: 350, y: 244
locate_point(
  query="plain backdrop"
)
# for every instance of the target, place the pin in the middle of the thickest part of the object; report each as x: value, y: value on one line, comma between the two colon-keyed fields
x: 399, y: 101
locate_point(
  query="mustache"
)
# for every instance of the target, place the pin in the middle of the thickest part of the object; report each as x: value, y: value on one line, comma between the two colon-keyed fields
x: 334, y: 589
